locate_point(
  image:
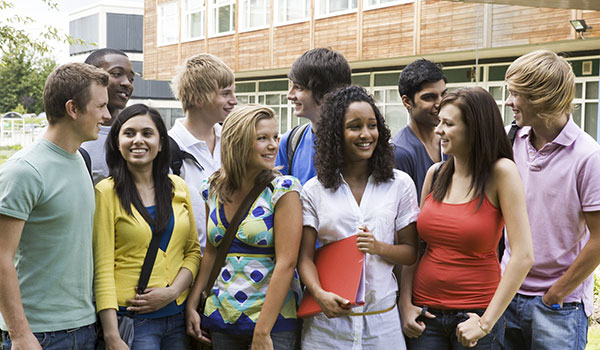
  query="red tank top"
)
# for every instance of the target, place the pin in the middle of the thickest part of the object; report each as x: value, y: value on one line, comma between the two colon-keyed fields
x: 460, y: 268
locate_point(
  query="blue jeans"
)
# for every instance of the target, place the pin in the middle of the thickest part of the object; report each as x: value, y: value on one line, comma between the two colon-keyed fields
x: 81, y: 338
x: 440, y: 332
x: 531, y: 324
x: 160, y: 333
x: 224, y: 341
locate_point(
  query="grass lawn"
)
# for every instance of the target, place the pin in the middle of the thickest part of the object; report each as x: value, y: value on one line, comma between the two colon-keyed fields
x: 593, y: 338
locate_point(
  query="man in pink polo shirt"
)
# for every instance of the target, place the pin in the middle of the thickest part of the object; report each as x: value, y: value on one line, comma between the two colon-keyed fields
x: 559, y: 165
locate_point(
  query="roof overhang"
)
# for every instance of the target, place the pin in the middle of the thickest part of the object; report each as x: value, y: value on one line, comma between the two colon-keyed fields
x: 559, y: 4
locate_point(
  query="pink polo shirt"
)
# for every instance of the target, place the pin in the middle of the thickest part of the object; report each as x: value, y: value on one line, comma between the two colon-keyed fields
x: 561, y: 181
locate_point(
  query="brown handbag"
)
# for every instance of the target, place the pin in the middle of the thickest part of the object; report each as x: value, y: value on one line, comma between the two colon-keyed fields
x: 223, y: 249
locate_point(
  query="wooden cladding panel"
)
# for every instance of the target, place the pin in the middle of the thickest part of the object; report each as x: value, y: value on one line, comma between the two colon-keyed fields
x: 224, y: 48
x: 167, y: 61
x: 592, y: 19
x: 289, y: 42
x: 388, y: 32
x: 514, y: 25
x: 338, y: 33
x: 448, y: 26
x: 191, y: 48
x: 150, y: 49
x: 254, y: 50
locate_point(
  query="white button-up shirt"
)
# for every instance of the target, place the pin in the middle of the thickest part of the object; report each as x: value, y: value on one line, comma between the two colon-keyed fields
x: 385, y: 208
x: 192, y: 174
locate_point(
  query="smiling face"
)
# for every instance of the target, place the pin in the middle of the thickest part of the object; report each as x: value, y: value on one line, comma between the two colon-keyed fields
x: 524, y: 111
x: 360, y: 132
x: 305, y: 105
x: 424, y: 109
x: 120, y: 82
x: 139, y: 141
x: 452, y: 131
x: 264, y: 150
x: 222, y: 104
x: 95, y: 115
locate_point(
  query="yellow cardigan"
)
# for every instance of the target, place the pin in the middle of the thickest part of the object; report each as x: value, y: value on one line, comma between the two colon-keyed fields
x: 121, y: 242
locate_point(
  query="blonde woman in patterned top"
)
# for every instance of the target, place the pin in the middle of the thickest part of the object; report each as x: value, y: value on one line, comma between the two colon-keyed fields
x: 253, y: 301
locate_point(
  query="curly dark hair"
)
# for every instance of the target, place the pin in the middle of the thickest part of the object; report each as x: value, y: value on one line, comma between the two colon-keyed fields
x: 329, y: 142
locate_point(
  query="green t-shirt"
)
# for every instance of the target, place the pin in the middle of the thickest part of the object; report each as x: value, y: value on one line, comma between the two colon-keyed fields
x: 51, y: 190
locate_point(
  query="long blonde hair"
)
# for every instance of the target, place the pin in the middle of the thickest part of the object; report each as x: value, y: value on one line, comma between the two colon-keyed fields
x: 546, y: 79
x: 237, y: 138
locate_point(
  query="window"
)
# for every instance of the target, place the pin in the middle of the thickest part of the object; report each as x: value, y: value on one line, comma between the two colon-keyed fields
x: 390, y: 105
x: 327, y: 7
x: 253, y: 14
x: 289, y: 11
x: 168, y: 25
x: 193, y: 19
x: 381, y: 3
x: 585, y: 105
x: 222, y: 14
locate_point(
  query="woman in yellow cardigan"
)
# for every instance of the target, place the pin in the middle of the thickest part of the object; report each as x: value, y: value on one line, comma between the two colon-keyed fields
x: 138, y: 191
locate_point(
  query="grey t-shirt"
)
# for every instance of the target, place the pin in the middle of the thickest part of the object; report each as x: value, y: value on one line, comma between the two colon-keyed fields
x: 51, y: 190
x: 97, y: 151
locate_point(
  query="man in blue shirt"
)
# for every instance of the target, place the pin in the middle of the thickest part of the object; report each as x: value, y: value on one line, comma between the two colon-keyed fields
x: 421, y: 86
x: 313, y: 75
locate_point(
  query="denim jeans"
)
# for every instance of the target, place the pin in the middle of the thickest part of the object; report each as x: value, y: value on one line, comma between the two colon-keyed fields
x: 531, y: 324
x: 224, y: 341
x: 81, y: 338
x: 440, y: 332
x: 160, y: 333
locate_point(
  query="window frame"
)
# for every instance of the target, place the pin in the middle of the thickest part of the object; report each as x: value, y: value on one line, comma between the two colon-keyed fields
x: 161, y: 19
x: 249, y: 15
x: 277, y: 9
x: 186, y: 14
x: 213, y: 8
x: 319, y: 15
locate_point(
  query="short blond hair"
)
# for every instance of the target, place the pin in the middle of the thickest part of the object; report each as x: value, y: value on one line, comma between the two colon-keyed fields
x: 237, y: 138
x: 546, y: 79
x: 200, y: 79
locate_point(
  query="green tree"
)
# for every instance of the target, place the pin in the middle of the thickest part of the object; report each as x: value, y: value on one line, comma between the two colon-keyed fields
x: 12, y: 37
x: 23, y: 74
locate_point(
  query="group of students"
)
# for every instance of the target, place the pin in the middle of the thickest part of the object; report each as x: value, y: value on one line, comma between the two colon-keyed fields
x: 460, y: 183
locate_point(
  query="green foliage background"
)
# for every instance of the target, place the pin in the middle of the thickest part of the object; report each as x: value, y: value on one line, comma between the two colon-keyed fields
x: 23, y: 75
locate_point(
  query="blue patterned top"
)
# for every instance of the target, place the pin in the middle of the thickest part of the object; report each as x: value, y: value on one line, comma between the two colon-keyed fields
x: 239, y: 292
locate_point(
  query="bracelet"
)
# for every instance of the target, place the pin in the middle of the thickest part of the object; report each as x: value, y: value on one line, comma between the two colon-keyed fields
x: 482, y: 329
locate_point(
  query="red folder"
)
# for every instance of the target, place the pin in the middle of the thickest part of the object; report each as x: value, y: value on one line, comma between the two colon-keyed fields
x: 341, y: 268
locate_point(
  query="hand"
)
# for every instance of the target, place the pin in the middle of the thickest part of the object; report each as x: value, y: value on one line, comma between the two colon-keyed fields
x: 551, y: 298
x: 410, y: 326
x: 193, y: 321
x: 151, y: 300
x: 115, y: 343
x: 262, y: 342
x: 332, y: 304
x: 26, y: 342
x: 469, y: 332
x: 366, y: 242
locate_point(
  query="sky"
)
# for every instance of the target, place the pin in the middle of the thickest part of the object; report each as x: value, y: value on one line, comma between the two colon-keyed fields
x: 42, y: 15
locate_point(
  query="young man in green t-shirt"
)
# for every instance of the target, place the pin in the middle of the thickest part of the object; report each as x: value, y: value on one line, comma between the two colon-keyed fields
x: 46, y: 219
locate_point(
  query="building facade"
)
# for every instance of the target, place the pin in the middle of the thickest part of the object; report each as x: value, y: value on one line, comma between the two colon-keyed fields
x: 260, y: 39
x: 119, y: 25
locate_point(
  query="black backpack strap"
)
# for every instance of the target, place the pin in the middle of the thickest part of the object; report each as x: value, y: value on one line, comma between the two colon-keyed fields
x: 512, y: 133
x: 88, y: 161
x: 178, y: 156
x: 292, y: 143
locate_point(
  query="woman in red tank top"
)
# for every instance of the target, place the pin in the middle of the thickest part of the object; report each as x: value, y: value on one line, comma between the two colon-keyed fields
x: 454, y: 296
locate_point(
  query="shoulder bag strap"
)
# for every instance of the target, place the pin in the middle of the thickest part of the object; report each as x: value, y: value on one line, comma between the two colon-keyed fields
x: 149, y: 259
x: 239, y: 215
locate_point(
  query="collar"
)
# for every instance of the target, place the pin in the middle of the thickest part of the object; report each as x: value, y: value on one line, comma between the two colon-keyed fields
x: 565, y: 138
x: 186, y: 137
